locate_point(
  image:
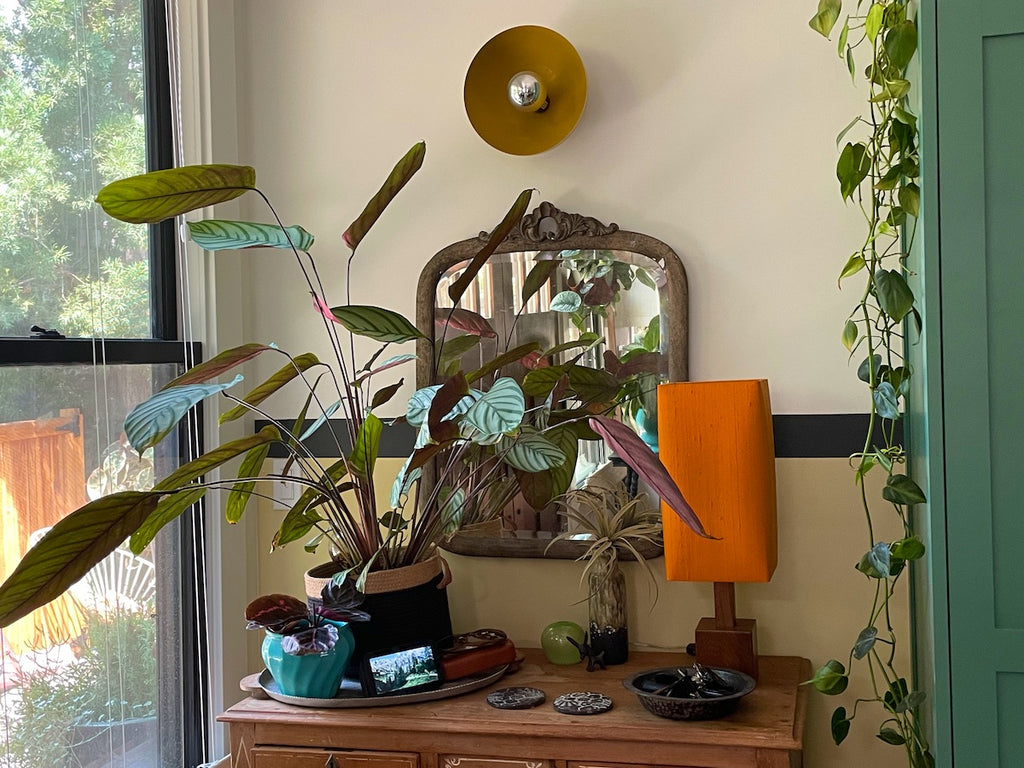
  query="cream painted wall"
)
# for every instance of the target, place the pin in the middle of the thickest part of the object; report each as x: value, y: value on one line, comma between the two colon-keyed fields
x: 708, y: 125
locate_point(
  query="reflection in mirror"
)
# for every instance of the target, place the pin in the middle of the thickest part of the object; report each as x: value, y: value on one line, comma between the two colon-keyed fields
x: 586, y: 317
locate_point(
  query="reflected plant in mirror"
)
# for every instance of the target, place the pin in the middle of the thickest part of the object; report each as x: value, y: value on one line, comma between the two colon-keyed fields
x: 587, y: 319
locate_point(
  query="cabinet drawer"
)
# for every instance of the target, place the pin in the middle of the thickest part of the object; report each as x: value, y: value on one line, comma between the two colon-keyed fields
x: 462, y: 761
x: 291, y: 757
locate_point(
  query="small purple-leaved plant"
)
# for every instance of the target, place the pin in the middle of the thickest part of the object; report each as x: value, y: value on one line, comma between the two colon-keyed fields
x: 304, y: 629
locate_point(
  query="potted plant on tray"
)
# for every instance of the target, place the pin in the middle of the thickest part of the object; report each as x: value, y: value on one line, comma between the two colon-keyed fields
x: 307, y: 648
x: 337, y: 504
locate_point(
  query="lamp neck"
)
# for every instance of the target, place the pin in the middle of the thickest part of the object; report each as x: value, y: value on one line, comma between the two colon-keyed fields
x: 725, y: 604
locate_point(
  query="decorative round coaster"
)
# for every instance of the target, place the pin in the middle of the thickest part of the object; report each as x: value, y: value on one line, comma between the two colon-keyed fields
x: 582, y: 703
x: 516, y: 697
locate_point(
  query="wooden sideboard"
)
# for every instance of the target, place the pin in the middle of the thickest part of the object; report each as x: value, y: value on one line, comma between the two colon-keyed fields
x: 766, y: 730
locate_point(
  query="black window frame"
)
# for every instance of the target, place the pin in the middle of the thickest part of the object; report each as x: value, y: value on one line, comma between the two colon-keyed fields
x: 188, y: 670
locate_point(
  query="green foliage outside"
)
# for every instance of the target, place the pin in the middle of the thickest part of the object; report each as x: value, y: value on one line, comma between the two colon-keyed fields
x: 71, y: 119
x: 113, y: 680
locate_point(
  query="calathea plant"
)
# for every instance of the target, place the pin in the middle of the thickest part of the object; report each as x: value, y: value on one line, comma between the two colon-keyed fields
x: 337, y: 504
x: 307, y: 630
x: 878, y: 169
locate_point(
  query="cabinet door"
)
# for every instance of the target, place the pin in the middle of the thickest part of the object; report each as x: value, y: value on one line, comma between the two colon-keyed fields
x: 463, y: 761
x: 288, y: 757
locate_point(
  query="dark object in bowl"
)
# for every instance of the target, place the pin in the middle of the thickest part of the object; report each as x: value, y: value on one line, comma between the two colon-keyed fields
x: 690, y: 693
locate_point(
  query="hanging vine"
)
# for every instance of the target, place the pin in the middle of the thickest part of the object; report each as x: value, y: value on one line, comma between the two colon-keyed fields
x: 878, y: 171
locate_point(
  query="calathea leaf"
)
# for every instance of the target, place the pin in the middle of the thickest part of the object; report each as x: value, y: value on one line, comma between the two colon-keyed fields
x: 383, y: 395
x: 295, y: 368
x: 514, y: 355
x: 222, y: 235
x: 464, y: 320
x: 364, y: 452
x: 219, y: 364
x: 70, y: 549
x: 320, y: 420
x: 251, y: 466
x: 537, y: 277
x: 312, y: 641
x: 275, y: 611
x: 632, y: 450
x: 418, y: 407
x: 500, y: 232
x: 167, y: 509
x: 158, y: 195
x: 152, y: 420
x: 532, y: 452
x: 199, y: 466
x: 404, y: 170
x: 376, y: 323
x: 499, y: 410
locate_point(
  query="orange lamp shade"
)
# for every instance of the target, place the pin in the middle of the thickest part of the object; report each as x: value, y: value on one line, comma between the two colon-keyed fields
x: 715, y: 439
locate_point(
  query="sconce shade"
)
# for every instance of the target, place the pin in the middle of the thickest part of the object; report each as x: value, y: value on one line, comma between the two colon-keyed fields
x: 716, y: 441
x: 557, y: 65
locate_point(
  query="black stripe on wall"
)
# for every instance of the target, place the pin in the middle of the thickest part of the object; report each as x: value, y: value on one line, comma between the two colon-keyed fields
x: 797, y: 436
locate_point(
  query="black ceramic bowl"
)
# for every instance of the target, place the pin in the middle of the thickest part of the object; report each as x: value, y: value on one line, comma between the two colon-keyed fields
x: 738, y: 683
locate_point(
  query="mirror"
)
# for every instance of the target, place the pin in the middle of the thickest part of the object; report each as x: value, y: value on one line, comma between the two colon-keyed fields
x: 574, y: 285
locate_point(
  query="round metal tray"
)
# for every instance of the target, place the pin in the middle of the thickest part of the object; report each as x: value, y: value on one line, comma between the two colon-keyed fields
x: 351, y: 695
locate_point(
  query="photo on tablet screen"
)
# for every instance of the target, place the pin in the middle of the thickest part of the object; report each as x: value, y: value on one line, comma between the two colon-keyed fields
x: 404, y: 670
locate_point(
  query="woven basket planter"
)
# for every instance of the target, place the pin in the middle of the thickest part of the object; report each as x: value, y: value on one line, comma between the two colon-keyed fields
x: 406, y: 605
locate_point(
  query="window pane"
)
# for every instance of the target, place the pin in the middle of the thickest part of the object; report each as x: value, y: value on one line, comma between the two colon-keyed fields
x: 71, y: 120
x: 79, y: 678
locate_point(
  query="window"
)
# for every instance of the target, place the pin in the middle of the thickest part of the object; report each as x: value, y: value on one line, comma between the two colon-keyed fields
x: 111, y: 672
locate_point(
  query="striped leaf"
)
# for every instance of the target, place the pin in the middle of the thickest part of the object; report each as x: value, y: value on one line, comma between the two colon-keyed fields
x: 168, y: 509
x: 259, y: 393
x: 418, y: 407
x: 367, y: 445
x: 150, y: 421
x: 219, y: 364
x: 538, y: 276
x: 513, y: 217
x: 241, y: 492
x: 221, y: 235
x: 499, y: 410
x: 512, y: 356
x: 198, y: 467
x: 70, y: 549
x: 400, y: 174
x: 635, y: 452
x: 376, y: 323
x: 329, y: 411
x: 533, y: 452
x: 464, y: 320
x: 159, y: 195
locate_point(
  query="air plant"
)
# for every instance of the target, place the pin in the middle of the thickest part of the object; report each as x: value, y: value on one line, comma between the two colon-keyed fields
x: 305, y: 629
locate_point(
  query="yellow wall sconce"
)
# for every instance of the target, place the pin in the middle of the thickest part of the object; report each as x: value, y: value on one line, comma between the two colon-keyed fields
x: 525, y: 90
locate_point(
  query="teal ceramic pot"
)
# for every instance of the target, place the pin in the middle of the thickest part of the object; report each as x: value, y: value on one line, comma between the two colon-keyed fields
x: 315, y: 676
x: 555, y: 642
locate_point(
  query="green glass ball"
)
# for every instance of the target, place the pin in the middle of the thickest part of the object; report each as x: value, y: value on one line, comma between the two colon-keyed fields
x: 555, y: 642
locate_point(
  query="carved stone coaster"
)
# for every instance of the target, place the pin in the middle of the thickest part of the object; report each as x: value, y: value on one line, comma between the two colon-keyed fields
x: 516, y: 697
x: 582, y: 703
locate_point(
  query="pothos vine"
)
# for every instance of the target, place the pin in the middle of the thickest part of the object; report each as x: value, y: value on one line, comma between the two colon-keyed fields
x: 878, y: 170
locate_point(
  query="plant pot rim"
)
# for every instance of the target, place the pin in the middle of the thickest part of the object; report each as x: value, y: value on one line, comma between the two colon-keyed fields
x: 385, y: 580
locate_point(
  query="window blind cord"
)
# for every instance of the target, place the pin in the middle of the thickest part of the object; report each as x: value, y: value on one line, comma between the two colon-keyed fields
x: 188, y: 338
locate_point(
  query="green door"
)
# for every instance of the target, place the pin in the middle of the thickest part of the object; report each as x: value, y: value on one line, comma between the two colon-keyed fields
x: 973, y: 360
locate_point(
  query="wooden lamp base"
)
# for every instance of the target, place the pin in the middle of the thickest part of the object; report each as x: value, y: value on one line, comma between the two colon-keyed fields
x: 724, y: 640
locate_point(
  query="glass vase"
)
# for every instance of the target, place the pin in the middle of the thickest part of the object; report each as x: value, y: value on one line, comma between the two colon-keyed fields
x: 607, y: 606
